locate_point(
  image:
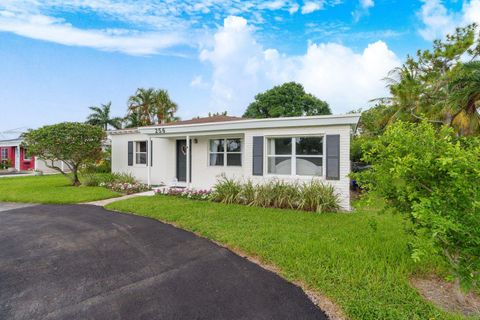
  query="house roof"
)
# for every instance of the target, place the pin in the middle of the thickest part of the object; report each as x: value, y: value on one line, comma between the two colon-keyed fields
x: 202, y: 126
x: 212, y: 119
x: 10, y: 142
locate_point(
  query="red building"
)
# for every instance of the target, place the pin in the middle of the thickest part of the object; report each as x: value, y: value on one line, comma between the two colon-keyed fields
x: 13, y: 155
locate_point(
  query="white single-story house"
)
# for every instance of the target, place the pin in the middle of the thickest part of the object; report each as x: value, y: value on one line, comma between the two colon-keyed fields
x: 194, y: 153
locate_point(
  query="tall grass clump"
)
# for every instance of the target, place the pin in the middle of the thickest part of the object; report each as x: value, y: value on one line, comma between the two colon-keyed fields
x: 319, y: 197
x: 227, y: 190
x: 309, y: 196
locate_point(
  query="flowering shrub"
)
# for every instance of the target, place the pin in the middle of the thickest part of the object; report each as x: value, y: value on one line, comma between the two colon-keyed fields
x: 186, y: 193
x: 125, y: 187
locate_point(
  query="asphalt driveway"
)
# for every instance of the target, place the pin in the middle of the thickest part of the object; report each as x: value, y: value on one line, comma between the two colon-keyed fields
x: 84, y: 262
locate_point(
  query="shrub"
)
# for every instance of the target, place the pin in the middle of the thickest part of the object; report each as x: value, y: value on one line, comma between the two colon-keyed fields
x: 186, y: 193
x: 319, y: 197
x: 433, y: 178
x: 227, y: 190
x: 247, y: 194
x: 311, y: 196
x: 125, y: 187
x: 119, y: 182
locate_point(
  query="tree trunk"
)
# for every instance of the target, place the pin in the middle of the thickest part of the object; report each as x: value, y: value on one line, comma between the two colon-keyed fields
x: 75, y: 181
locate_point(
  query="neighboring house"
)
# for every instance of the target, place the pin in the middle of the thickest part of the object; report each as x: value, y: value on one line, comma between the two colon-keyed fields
x: 12, y: 152
x: 194, y: 153
x: 18, y: 157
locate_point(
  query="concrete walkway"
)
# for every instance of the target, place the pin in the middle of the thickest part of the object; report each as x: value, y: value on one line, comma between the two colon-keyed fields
x: 5, y: 206
x: 102, y: 203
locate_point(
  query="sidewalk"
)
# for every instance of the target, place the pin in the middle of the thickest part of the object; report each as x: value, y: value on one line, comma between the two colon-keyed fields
x: 102, y: 203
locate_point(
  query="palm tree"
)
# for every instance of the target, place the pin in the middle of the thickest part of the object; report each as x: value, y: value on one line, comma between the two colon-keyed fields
x: 142, y: 102
x: 165, y: 107
x: 465, y: 98
x: 101, y: 117
x: 152, y: 106
x: 132, y: 120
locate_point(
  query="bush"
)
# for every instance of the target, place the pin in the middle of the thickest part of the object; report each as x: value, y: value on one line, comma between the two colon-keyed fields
x: 5, y: 164
x: 433, y: 178
x: 227, y: 191
x: 125, y: 187
x: 120, y: 182
x: 311, y: 196
x: 186, y: 193
x: 316, y: 196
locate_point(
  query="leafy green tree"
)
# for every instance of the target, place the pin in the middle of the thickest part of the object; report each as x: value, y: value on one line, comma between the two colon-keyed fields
x: 165, y: 108
x: 464, y: 95
x: 75, y: 144
x: 132, y: 120
x: 438, y: 85
x: 432, y: 177
x: 142, y: 103
x: 100, y: 116
x: 152, y: 106
x: 286, y: 100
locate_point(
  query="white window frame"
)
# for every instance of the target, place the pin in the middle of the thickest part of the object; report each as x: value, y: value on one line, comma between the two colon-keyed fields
x: 293, y: 155
x: 140, y: 152
x: 24, y: 153
x: 225, y: 152
x: 2, y: 155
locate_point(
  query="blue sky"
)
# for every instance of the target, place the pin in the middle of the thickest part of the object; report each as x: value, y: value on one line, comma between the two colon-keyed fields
x: 59, y: 57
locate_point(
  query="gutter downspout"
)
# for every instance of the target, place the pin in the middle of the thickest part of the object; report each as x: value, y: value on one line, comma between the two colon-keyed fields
x: 188, y: 162
x: 149, y: 160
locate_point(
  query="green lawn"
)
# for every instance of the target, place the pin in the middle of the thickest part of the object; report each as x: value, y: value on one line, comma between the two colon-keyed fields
x: 359, y: 260
x: 49, y: 189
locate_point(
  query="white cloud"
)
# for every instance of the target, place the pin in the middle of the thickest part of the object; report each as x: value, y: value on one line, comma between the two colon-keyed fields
x: 294, y: 8
x: 362, y: 9
x: 333, y: 72
x: 471, y: 12
x: 46, y: 28
x: 198, y: 82
x: 312, y: 6
x: 274, y: 5
x: 438, y: 21
x: 367, y: 4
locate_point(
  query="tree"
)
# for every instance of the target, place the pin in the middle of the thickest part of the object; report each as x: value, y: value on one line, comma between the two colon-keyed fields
x: 431, y: 175
x: 101, y: 117
x: 75, y: 144
x: 464, y: 95
x: 152, y: 106
x: 132, y: 120
x: 165, y: 108
x: 287, y: 100
x: 142, y: 103
x: 438, y: 85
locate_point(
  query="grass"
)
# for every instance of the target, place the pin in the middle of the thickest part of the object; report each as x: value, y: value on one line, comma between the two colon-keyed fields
x: 49, y: 189
x: 359, y: 260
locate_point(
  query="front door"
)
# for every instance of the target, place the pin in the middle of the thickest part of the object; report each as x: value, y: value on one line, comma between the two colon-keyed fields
x: 182, y: 160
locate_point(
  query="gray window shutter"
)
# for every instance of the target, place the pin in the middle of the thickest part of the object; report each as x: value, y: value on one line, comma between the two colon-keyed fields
x: 333, y: 157
x: 130, y: 153
x: 151, y: 153
x: 258, y: 156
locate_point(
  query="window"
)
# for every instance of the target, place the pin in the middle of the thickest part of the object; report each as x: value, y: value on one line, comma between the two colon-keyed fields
x: 4, y: 155
x: 301, y: 156
x: 141, y: 152
x: 225, y: 151
x: 26, y: 155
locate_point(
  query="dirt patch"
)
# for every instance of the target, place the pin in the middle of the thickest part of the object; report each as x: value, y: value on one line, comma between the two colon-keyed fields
x: 447, y: 295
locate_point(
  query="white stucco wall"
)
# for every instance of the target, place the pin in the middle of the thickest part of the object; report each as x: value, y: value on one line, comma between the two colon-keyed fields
x: 205, y: 176
x: 40, y: 165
